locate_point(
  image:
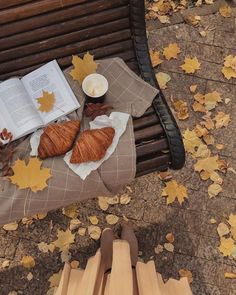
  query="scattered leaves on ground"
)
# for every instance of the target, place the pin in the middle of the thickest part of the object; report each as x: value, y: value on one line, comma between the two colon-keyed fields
x: 226, y: 246
x: 225, y: 11
x: 181, y: 109
x: 112, y: 219
x: 221, y: 120
x: 28, y: 262
x: 193, y: 88
x: 30, y: 175
x: 64, y: 239
x: 46, y: 102
x: 214, y: 189
x: 229, y: 68
x: 171, y: 51
x: 45, y: 248
x: 155, y: 58
x: 222, y: 229
x: 163, y: 79
x: 191, y: 141
x: 173, y: 191
x: 29, y: 276
x: 191, y: 65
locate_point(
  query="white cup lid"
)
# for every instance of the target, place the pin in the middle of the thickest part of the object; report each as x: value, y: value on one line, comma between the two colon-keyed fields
x: 95, y: 85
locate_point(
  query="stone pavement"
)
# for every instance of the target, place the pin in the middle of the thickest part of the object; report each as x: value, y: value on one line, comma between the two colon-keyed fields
x: 196, y: 239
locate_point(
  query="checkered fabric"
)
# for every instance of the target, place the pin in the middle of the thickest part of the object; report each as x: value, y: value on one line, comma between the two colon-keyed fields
x: 127, y: 93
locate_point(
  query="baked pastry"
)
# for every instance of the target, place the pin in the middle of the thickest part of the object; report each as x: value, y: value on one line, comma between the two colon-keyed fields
x: 92, y: 145
x: 58, y: 139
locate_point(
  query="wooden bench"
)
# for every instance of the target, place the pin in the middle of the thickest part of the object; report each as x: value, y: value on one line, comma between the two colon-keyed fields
x: 35, y: 32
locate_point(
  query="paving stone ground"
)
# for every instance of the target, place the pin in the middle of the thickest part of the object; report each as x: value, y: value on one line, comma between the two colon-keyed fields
x: 196, y: 239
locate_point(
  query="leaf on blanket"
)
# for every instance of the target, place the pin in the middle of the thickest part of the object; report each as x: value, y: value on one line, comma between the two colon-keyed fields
x: 83, y: 67
x: 112, y: 219
x: 10, y: 226
x: 28, y: 262
x: 64, y: 239
x: 171, y: 51
x: 173, y: 191
x: 30, y: 175
x: 191, y: 65
x: 46, y: 102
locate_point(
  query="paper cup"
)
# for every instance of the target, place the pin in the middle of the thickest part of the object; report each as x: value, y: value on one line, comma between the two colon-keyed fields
x: 95, y: 87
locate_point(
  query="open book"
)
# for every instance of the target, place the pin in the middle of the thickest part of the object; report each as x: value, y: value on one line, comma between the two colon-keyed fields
x: 18, y: 100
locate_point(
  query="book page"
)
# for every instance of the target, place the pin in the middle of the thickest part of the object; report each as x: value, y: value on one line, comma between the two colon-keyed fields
x: 16, y: 109
x: 51, y: 79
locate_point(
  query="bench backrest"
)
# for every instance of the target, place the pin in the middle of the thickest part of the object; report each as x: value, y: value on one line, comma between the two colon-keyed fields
x: 35, y: 32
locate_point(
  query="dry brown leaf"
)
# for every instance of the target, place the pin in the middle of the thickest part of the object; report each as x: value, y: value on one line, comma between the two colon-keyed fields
x: 173, y: 191
x: 185, y: 273
x: 112, y: 219
x: 103, y: 204
x: 46, y: 102
x: 71, y: 211
x: 125, y: 199
x: 225, y: 11
x: 170, y: 237
x: 181, y: 109
x: 226, y: 246
x: 208, y: 165
x: 169, y: 247
x: 209, y: 139
x: 230, y: 61
x: 155, y: 58
x: 54, y: 280
x: 191, y: 65
x: 94, y: 232
x: 197, y: 107
x: 222, y: 229
x: 64, y: 239
x: 165, y: 176
x: 232, y: 220
x: 202, y: 151
x: 5, y: 264
x: 171, y: 51
x: 191, y: 141
x: 31, y: 175
x: 228, y: 72
x: 211, y: 100
x: 193, y: 20
x: 164, y: 19
x: 215, y: 177
x: 158, y: 249
x: 45, y: 248
x: 82, y: 231
x: 40, y: 216
x: 94, y: 220
x: 222, y: 120
x: 203, y: 33
x: 193, y: 88
x: 28, y: 262
x: 199, y: 97
x: 83, y: 67
x: 214, y: 189
x: 11, y: 226
x: 30, y: 276
x: 208, y: 122
x: 161, y: 7
x: 230, y: 275
x: 200, y: 131
x: 74, y: 264
x: 163, y: 79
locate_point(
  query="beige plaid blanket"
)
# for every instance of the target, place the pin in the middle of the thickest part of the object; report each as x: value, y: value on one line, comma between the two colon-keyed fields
x: 127, y: 93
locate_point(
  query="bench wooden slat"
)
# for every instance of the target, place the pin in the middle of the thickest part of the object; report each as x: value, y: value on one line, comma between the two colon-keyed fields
x: 148, y: 133
x: 150, y: 165
x: 10, y: 3
x: 64, y: 41
x: 65, y: 27
x: 151, y: 147
x: 144, y: 122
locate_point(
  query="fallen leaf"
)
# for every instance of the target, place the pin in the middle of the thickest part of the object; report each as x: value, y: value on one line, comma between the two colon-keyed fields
x: 28, y: 262
x: 202, y: 151
x: 222, y: 120
x: 74, y: 223
x: 230, y: 61
x: 171, y: 51
x: 191, y: 65
x: 165, y: 176
x: 209, y: 2
x: 214, y: 189
x: 170, y: 237
x: 94, y: 220
x: 162, y: 7
x: 222, y: 229
x: 11, y: 226
x: 173, y: 191
x: 103, y: 204
x: 45, y: 248
x: 225, y: 11
x: 199, y: 97
x: 64, y: 239
x: 211, y: 100
x: 212, y: 221
x: 94, y: 232
x: 46, y: 102
x: 71, y: 211
x: 163, y: 79
x: 226, y: 246
x: 125, y: 199
x: 31, y: 175
x: 220, y: 146
x: 158, y: 249
x: 203, y: 33
x: 193, y: 88
x: 82, y: 231
x: 230, y: 275
x: 164, y: 19
x: 228, y: 72
x: 30, y: 276
x: 197, y: 107
x: 155, y: 58
x: 191, y: 141
x: 209, y: 139
x: 208, y: 165
x: 5, y: 263
x: 74, y: 264
x: 227, y: 100
x: 193, y: 20
x: 112, y: 219
x: 83, y: 67
x: 54, y: 280
x: 185, y: 273
x: 208, y: 122
x: 200, y: 131
x: 52, y: 291
x: 215, y: 177
x: 232, y: 220
x: 181, y: 109
x: 169, y: 247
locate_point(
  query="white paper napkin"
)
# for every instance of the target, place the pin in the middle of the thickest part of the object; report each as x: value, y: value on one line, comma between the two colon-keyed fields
x: 118, y: 121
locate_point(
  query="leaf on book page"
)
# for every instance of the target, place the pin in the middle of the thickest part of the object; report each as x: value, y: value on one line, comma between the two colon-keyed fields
x: 83, y: 67
x: 30, y: 175
x: 46, y: 102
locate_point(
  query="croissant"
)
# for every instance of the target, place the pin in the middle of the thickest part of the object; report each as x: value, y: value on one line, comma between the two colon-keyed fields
x: 58, y: 139
x: 92, y: 145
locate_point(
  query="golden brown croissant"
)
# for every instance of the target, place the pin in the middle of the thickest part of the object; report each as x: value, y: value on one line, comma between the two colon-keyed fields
x: 92, y: 145
x: 58, y: 139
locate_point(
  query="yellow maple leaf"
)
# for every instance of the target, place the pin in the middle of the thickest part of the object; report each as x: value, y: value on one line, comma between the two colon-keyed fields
x: 64, y: 239
x: 191, y: 141
x: 228, y: 72
x: 191, y: 65
x: 161, y: 6
x: 226, y: 246
x: 199, y: 97
x: 46, y: 102
x: 30, y: 176
x: 28, y: 262
x: 173, y: 191
x: 155, y: 58
x: 225, y: 11
x: 162, y: 79
x: 209, y: 165
x: 181, y: 109
x: 197, y: 107
x: 230, y: 61
x: 222, y: 120
x: 232, y: 220
x: 171, y: 51
x: 211, y: 99
x: 83, y: 67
